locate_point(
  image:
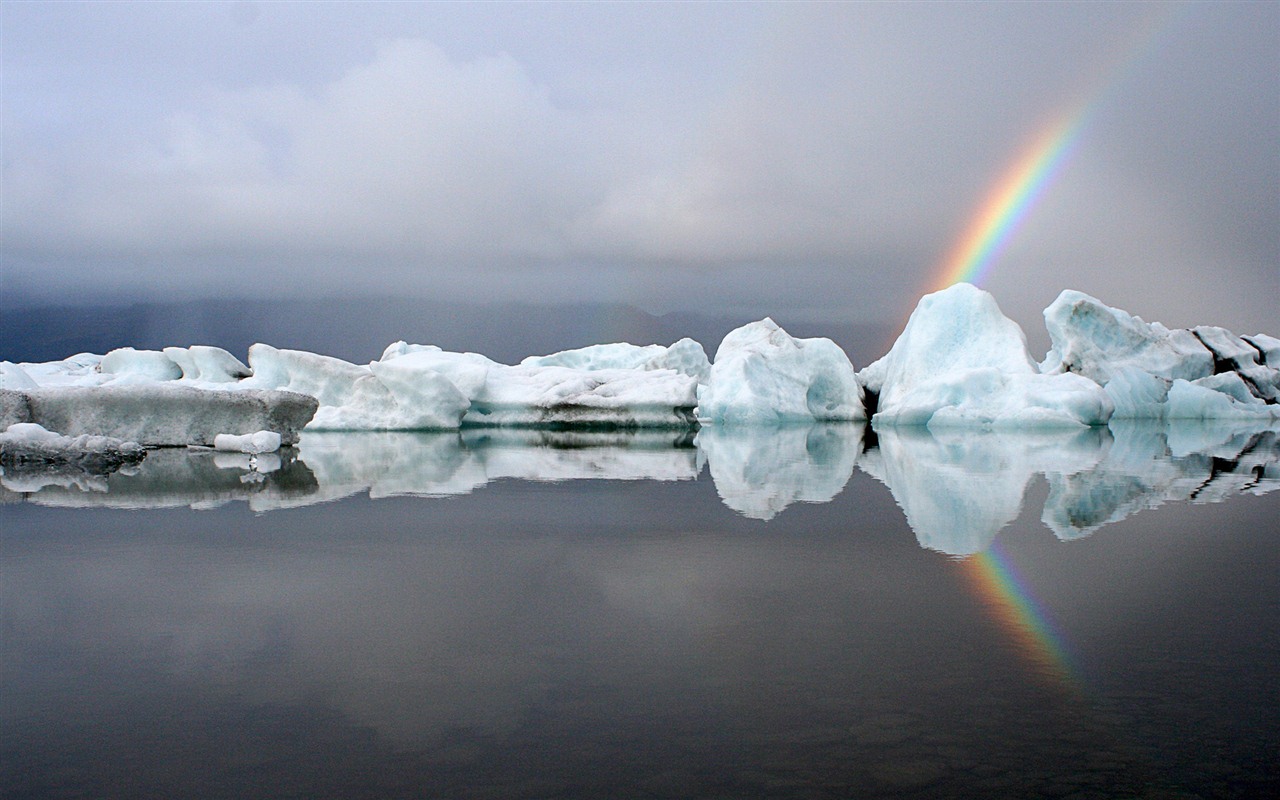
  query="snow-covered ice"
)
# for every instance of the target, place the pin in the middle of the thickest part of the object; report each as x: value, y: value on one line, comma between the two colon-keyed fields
x: 353, y: 397
x: 253, y: 443
x: 961, y: 362
x: 685, y: 356
x: 958, y: 363
x: 763, y: 375
x: 1150, y: 371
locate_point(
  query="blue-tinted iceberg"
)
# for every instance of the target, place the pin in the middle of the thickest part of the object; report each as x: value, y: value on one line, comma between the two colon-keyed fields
x: 961, y: 362
x: 762, y: 375
x: 1150, y: 371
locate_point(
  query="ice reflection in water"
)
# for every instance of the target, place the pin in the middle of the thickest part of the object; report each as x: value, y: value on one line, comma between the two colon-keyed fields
x: 956, y: 488
x: 595, y: 638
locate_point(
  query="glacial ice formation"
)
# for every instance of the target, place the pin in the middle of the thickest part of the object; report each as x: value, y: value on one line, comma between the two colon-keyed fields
x: 762, y: 375
x: 252, y: 443
x: 1151, y: 371
x: 158, y: 414
x: 685, y: 356
x: 961, y: 362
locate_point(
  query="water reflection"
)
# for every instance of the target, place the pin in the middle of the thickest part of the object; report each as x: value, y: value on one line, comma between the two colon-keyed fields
x: 956, y: 489
x: 759, y: 471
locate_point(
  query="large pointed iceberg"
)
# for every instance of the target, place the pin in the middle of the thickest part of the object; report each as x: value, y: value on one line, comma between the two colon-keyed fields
x: 961, y: 362
x: 762, y: 375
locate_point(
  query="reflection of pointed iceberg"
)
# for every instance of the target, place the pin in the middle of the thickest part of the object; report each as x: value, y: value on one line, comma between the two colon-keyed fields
x: 760, y: 470
x: 958, y: 489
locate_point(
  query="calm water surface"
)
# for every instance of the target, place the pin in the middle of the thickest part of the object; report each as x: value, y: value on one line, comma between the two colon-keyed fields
x: 804, y: 615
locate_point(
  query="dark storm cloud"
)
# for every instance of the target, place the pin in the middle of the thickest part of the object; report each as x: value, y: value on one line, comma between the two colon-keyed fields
x: 818, y: 159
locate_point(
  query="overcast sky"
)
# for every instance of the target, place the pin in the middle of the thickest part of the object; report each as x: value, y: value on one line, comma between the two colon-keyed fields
x: 808, y: 161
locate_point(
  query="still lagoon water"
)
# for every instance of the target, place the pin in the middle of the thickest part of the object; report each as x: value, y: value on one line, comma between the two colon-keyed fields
x: 795, y: 613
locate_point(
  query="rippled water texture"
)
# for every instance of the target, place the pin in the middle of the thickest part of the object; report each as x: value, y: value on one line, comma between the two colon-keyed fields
x: 806, y: 612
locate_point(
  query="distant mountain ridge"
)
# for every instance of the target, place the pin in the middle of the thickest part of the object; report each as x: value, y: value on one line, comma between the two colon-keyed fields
x: 359, y: 329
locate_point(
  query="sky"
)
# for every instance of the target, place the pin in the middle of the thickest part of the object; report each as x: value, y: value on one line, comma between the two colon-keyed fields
x: 812, y: 162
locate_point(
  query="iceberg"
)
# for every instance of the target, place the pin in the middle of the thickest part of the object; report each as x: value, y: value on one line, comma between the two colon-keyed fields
x: 251, y: 443
x: 357, y: 398
x: 762, y: 375
x: 158, y: 414
x: 551, y: 395
x: 1151, y: 371
x: 685, y: 356
x: 961, y: 362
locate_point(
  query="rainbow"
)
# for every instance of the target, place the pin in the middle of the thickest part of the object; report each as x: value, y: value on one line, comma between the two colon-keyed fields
x: 1008, y: 600
x: 1026, y: 180
x: 1009, y: 202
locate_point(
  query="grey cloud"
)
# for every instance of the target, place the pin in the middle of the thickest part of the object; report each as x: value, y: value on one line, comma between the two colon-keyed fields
x: 820, y: 158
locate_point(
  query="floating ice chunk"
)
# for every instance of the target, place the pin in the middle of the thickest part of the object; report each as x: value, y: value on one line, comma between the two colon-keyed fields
x: 685, y: 356
x: 207, y: 364
x: 253, y: 443
x: 961, y: 362
x: 15, y: 377
x: 78, y: 370
x: 1095, y: 340
x: 763, y: 375
x: 564, y: 397
x: 760, y: 470
x: 127, y: 365
x: 1268, y: 347
x: 468, y: 372
x: 163, y: 413
x: 353, y: 397
x: 1222, y: 396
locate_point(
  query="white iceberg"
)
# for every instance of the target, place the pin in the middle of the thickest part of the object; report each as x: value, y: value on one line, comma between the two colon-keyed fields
x: 685, y: 356
x: 252, y: 443
x: 762, y: 375
x: 548, y: 395
x: 1150, y: 371
x: 352, y: 397
x: 961, y: 362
